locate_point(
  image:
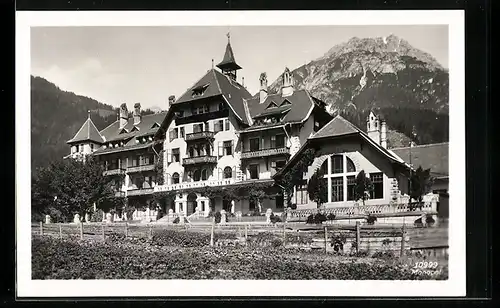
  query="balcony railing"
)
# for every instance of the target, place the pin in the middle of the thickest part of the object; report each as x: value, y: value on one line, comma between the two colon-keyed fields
x: 142, y: 168
x: 265, y: 152
x: 140, y: 191
x: 200, y: 135
x: 114, y: 171
x: 187, y: 185
x: 119, y: 194
x: 199, y: 160
x: 202, y: 117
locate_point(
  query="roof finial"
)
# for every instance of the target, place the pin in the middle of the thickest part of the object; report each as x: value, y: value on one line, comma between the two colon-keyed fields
x: 88, y: 113
x: 212, y: 63
x: 228, y: 37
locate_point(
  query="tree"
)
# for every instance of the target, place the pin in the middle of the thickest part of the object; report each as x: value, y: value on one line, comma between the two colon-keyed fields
x: 363, y: 187
x: 421, y: 183
x: 317, y: 188
x: 70, y: 187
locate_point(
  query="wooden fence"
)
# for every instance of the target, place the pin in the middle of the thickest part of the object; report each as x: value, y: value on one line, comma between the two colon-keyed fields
x: 353, y: 238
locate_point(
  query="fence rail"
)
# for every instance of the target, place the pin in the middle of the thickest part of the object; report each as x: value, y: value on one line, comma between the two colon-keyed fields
x: 384, y: 237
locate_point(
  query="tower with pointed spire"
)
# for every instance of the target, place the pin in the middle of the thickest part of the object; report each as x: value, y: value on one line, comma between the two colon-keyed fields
x: 86, y: 140
x: 228, y: 65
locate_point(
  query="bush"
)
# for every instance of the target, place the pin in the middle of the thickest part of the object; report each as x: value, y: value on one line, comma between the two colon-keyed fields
x: 176, y: 220
x: 383, y: 255
x: 181, y: 238
x: 317, y: 218
x: 275, y: 218
x: 429, y: 220
x: 337, y: 241
x: 293, y: 206
x: 96, y: 216
x: 371, y: 219
x: 330, y: 216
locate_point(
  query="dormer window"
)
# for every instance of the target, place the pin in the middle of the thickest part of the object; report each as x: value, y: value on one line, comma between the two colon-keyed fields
x: 155, y: 125
x: 271, y: 105
x: 198, y: 91
x: 123, y: 131
x: 285, y: 103
x: 135, y: 129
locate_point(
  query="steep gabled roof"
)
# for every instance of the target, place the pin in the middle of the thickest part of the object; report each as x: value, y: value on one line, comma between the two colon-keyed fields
x: 298, y: 107
x: 433, y: 156
x: 145, y: 127
x: 88, y: 132
x: 336, y: 127
x: 219, y: 84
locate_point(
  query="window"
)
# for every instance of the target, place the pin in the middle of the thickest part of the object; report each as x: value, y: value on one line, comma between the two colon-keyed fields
x: 254, y: 171
x: 228, y: 173
x: 277, y: 141
x: 197, y: 175
x: 226, y: 205
x: 197, y: 128
x: 279, y: 164
x: 280, y: 202
x: 252, y: 205
x: 92, y: 147
x: 316, y: 126
x: 81, y: 147
x: 183, y: 134
x: 337, y: 189
x: 226, y: 124
x: 191, y: 152
x: 351, y: 185
x: 222, y: 106
x: 228, y: 147
x: 204, y: 175
x: 254, y: 144
x: 176, y: 155
x: 271, y: 105
x: 175, y: 178
x: 337, y: 164
x: 285, y: 103
x: 378, y: 185
x: 174, y: 133
x: 180, y: 113
x: 218, y: 126
x: 301, y: 196
x: 205, y: 108
x: 339, y: 172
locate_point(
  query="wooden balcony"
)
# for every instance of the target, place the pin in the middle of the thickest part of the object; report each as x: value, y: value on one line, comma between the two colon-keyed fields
x: 265, y: 152
x: 199, y: 160
x: 202, y: 117
x: 119, y: 194
x: 114, y: 171
x: 142, y: 168
x: 140, y: 191
x: 200, y: 135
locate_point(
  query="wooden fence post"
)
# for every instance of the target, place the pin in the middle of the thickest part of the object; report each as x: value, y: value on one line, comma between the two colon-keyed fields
x: 41, y: 227
x: 60, y: 231
x: 126, y: 229
x: 358, y: 236
x: 81, y: 230
x: 103, y: 235
x: 212, y: 233
x: 403, y: 232
x: 326, y: 238
x: 246, y: 234
x: 284, y: 234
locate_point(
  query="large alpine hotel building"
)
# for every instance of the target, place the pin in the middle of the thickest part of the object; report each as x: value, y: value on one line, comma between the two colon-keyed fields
x: 218, y: 134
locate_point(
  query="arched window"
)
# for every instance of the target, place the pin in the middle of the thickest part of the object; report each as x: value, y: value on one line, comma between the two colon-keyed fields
x: 228, y: 173
x: 340, y: 173
x: 175, y: 178
x: 197, y: 175
x: 204, y: 175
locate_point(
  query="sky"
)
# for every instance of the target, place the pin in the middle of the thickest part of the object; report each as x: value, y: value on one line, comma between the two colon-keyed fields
x: 117, y: 65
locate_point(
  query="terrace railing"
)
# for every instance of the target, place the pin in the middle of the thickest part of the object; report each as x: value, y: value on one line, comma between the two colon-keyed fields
x: 265, y: 152
x: 141, y: 168
x: 200, y: 135
x: 187, y: 185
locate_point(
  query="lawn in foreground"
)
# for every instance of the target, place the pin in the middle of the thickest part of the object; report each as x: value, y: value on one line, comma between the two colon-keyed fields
x: 131, y: 259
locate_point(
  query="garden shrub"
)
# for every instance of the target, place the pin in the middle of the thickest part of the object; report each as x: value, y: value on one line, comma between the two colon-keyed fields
x: 429, y: 220
x: 384, y: 255
x: 96, y: 216
x: 176, y: 220
x: 293, y: 206
x: 181, y: 238
x: 371, y: 219
x: 330, y: 216
x: 275, y: 218
x: 337, y: 241
x: 317, y: 218
x: 386, y: 242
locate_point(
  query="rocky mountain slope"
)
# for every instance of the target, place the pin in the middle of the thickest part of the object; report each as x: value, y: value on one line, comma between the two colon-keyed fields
x: 386, y: 74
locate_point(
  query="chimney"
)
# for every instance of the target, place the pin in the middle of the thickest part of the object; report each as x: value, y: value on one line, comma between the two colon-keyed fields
x: 123, y: 115
x: 287, y: 88
x: 373, y: 127
x: 137, y: 113
x: 263, y: 87
x: 171, y: 100
x: 383, y: 134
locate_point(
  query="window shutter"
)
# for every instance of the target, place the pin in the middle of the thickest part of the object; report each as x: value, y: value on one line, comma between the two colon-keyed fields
x: 221, y: 149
